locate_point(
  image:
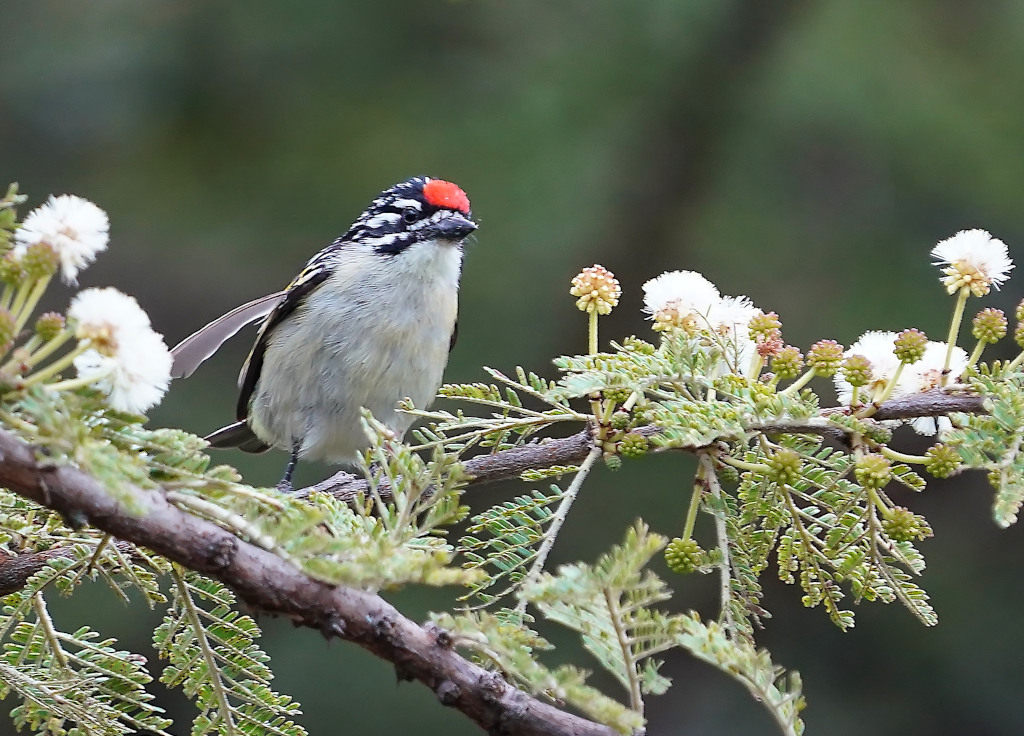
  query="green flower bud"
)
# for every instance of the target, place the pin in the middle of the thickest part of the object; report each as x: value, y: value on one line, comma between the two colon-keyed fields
x: 11, y: 270
x: 825, y: 357
x: 597, y: 288
x: 1020, y: 311
x: 873, y: 470
x: 613, y: 462
x: 618, y: 395
x: 905, y: 526
x: 684, y: 556
x: 942, y: 461
x: 787, y: 363
x: 765, y: 327
x: 621, y: 419
x: 857, y: 370
x: 641, y: 346
x: 909, y: 346
x: 49, y: 325
x: 728, y: 473
x: 633, y: 444
x: 784, y: 466
x: 1018, y: 334
x: 39, y: 261
x: 989, y: 325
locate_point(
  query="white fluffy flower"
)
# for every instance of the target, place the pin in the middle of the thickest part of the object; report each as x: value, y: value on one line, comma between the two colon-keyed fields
x: 915, y: 378
x: 676, y: 298
x: 731, y: 315
x: 926, y: 374
x: 130, y: 361
x: 107, y: 317
x: 877, y: 347
x: 136, y: 377
x: 972, y: 258
x: 75, y: 228
x: 730, y: 318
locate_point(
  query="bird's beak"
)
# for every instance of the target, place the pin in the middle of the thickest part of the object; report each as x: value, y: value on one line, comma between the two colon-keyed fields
x: 455, y: 227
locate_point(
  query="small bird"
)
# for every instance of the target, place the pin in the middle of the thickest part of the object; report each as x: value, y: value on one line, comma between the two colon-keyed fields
x: 369, y: 321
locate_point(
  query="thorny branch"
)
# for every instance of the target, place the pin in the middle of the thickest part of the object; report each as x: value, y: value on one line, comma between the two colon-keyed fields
x: 15, y: 570
x: 574, y: 449
x: 272, y: 585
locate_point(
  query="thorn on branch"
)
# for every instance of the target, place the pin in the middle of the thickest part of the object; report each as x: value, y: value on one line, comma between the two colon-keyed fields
x: 222, y: 552
x: 332, y: 626
x: 448, y: 692
x: 383, y: 628
x: 492, y: 685
x: 443, y: 638
x: 403, y: 673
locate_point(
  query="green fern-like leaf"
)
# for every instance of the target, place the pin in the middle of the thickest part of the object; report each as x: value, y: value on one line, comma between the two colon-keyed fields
x: 994, y: 442
x: 609, y: 604
x: 213, y: 657
x: 502, y: 641
x: 768, y: 683
x: 74, y: 681
x: 826, y: 532
x: 502, y: 541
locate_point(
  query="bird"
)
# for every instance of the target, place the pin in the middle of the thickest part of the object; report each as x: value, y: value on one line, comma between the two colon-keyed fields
x: 369, y: 321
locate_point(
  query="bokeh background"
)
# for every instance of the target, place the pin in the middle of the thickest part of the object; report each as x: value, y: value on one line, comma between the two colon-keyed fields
x: 806, y: 154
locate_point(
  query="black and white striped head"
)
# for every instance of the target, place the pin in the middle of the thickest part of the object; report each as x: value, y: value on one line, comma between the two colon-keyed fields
x: 414, y: 211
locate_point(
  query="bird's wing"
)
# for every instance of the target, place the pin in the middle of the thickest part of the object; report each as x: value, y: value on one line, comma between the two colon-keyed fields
x: 190, y: 353
x: 312, y: 276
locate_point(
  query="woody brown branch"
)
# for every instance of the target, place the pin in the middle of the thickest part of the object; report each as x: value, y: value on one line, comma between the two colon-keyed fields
x: 15, y: 570
x: 572, y: 450
x: 270, y: 584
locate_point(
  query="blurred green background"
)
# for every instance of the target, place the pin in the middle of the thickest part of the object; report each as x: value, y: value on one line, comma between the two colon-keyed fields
x: 806, y: 154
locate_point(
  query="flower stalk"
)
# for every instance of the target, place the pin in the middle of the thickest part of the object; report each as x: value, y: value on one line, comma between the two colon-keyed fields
x: 954, y: 330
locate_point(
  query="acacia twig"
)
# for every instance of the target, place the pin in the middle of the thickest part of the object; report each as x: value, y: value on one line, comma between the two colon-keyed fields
x: 15, y: 570
x: 572, y: 450
x: 270, y: 584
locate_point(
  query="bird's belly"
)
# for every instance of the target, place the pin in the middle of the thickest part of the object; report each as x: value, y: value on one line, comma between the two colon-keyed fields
x: 330, y: 371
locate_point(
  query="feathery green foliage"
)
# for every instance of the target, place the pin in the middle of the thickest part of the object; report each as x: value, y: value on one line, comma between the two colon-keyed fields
x: 610, y: 605
x: 993, y: 442
x: 827, y: 530
x: 212, y: 656
x: 776, y: 490
x: 75, y: 680
x: 510, y: 423
x: 504, y: 642
x: 503, y: 541
x: 778, y: 691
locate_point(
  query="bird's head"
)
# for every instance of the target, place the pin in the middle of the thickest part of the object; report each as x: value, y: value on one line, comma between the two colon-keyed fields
x: 417, y: 210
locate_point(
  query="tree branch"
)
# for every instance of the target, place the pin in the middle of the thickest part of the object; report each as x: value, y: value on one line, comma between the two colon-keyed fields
x: 480, y: 469
x: 15, y: 570
x: 270, y: 584
x: 573, y: 450
x: 934, y: 403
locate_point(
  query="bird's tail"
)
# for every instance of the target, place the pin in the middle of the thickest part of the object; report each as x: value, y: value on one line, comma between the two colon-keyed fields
x: 238, y: 435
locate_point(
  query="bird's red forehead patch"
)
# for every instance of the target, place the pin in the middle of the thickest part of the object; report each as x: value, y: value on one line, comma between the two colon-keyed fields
x: 441, y: 193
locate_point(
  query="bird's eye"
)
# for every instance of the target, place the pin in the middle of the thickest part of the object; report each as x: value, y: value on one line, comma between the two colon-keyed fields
x: 409, y: 214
